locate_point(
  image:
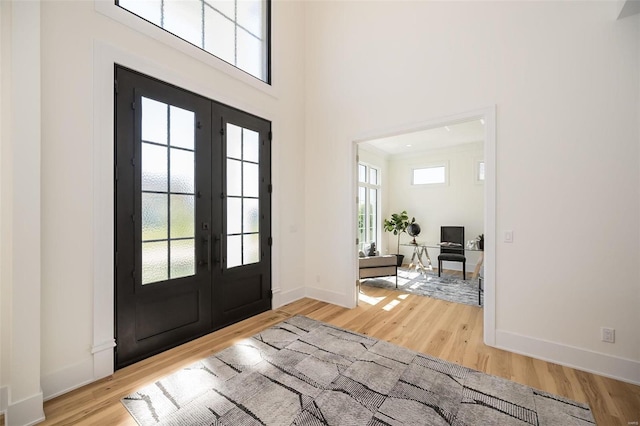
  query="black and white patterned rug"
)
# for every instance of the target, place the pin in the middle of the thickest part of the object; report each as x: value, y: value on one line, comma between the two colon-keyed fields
x: 447, y: 287
x: 305, y: 372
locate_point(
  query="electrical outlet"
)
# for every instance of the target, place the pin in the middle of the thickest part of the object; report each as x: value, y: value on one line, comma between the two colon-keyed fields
x: 608, y: 334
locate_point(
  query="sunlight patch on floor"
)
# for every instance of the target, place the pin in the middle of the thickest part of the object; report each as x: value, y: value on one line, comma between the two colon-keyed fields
x: 370, y: 300
x: 389, y: 306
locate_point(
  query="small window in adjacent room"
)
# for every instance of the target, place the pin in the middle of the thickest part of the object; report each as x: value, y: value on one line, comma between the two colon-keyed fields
x: 432, y: 175
x: 236, y: 31
x: 480, y: 171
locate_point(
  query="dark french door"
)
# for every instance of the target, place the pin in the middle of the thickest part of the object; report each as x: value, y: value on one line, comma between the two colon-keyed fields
x: 192, y: 216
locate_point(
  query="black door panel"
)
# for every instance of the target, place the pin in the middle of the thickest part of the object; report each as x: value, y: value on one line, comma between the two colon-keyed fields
x: 174, y: 280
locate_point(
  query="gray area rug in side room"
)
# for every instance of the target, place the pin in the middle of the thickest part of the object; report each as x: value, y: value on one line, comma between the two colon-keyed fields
x: 305, y: 372
x: 447, y: 287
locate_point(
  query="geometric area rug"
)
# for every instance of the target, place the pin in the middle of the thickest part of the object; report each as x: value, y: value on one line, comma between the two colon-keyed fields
x: 306, y: 372
x: 447, y: 287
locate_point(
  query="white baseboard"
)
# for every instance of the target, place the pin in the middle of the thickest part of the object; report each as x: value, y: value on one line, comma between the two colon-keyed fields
x: 27, y: 412
x: 4, y: 398
x: 328, y: 296
x: 281, y: 298
x: 103, y: 359
x: 67, y: 379
x: 614, y: 367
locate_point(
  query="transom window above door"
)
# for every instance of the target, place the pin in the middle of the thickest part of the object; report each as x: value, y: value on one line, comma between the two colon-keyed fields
x: 236, y: 31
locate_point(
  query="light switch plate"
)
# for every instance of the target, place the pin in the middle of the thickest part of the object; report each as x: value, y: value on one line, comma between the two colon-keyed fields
x: 508, y: 236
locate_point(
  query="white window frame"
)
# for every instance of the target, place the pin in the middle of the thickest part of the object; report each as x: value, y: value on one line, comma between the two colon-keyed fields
x: 129, y: 19
x: 444, y: 165
x: 378, y: 187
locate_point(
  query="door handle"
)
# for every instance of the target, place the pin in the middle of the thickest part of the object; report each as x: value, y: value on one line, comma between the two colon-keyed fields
x: 218, y: 259
x: 207, y: 240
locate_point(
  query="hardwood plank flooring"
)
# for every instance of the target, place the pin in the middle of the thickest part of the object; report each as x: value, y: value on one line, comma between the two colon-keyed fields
x: 439, y: 328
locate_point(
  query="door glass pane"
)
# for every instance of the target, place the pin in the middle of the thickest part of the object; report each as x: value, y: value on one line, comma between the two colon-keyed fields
x: 362, y: 173
x: 362, y: 191
x: 250, y: 215
x: 182, y: 171
x: 154, y: 216
x: 183, y: 258
x: 182, y: 216
x: 234, y: 177
x: 182, y: 128
x: 251, y: 249
x: 234, y: 141
x: 250, y: 145
x: 250, y: 183
x: 234, y: 251
x: 154, y: 121
x: 373, y: 209
x: 155, y: 261
x: 234, y: 215
x: 154, y: 167
x: 168, y: 187
x: 373, y: 173
x: 243, y: 190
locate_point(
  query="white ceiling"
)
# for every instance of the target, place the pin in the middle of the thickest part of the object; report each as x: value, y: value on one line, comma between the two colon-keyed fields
x: 424, y: 140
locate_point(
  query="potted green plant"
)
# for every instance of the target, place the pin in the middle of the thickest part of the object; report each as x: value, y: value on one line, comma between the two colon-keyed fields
x: 398, y: 224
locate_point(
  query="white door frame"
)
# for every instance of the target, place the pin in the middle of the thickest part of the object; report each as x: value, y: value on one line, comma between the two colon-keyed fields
x: 487, y: 114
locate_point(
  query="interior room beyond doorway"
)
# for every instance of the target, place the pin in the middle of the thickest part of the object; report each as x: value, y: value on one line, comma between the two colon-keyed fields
x: 437, y: 176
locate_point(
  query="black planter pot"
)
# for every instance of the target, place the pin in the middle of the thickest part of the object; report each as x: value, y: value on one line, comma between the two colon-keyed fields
x: 400, y: 258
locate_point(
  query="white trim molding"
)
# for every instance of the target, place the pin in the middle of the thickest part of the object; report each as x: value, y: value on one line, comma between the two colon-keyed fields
x: 67, y: 379
x: 24, y: 405
x: 4, y: 398
x: 618, y: 368
x: 103, y: 359
x: 281, y: 298
x: 332, y: 297
x: 25, y: 412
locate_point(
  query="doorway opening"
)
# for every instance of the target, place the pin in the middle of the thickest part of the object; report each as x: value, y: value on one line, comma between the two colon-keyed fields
x: 442, y: 173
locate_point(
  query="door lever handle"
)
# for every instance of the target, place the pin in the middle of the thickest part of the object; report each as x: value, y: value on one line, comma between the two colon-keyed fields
x: 218, y: 259
x: 207, y: 240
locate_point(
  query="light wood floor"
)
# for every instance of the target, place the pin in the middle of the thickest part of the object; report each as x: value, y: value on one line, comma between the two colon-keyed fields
x: 443, y: 329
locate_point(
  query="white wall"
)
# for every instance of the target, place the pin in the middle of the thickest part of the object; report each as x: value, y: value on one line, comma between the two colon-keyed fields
x: 377, y: 159
x: 567, y: 151
x: 71, y: 32
x: 458, y: 203
x: 4, y: 299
